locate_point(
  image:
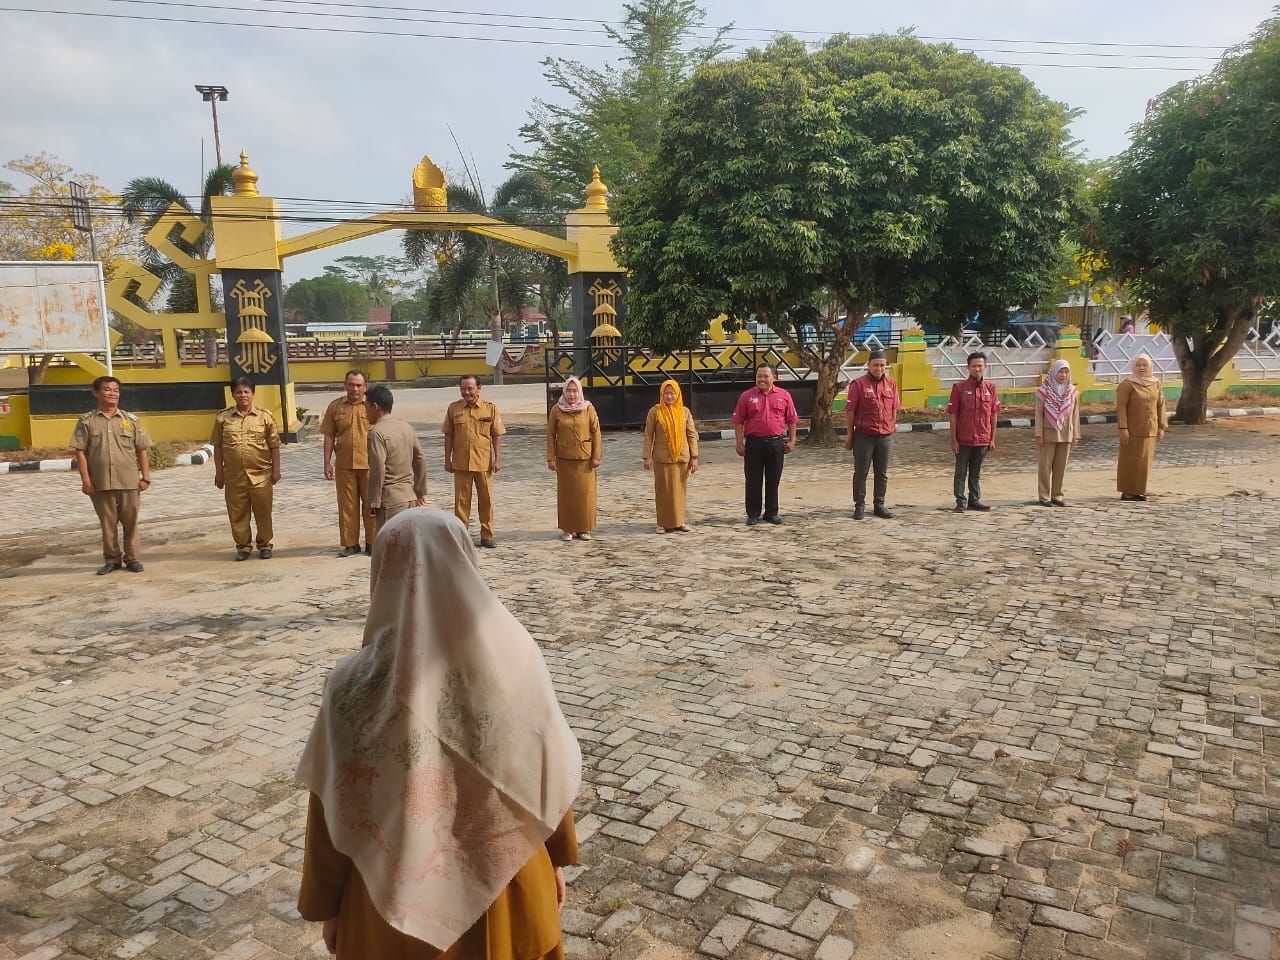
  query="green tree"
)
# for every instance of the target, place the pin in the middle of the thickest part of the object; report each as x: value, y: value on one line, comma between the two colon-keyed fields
x: 880, y: 171
x: 1190, y: 212
x: 379, y: 275
x: 328, y: 299
x: 612, y: 117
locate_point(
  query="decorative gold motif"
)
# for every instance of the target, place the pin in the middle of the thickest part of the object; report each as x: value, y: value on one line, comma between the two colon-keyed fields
x: 244, y: 178
x: 606, y: 336
x: 596, y: 192
x: 913, y: 333
x: 256, y: 355
x: 429, y: 193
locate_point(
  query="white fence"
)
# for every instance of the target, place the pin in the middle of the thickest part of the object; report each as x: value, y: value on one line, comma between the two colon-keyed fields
x: 1114, y: 354
x: 1010, y: 363
x: 1259, y: 358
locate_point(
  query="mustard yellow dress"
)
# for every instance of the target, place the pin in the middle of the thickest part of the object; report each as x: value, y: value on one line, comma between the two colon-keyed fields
x: 1140, y: 410
x: 573, y: 441
x: 522, y: 924
x: 670, y: 477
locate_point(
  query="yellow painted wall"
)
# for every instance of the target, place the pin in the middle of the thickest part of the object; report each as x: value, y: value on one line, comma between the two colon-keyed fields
x: 17, y: 422
x: 55, y: 431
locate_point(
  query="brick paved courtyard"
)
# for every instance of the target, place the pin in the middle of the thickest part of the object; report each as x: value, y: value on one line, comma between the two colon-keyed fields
x: 1028, y: 734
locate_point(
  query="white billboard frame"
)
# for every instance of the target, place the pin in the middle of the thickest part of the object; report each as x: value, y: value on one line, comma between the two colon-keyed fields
x: 86, y: 337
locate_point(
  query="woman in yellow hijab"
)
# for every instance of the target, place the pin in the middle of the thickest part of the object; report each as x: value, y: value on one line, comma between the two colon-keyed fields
x: 671, y: 452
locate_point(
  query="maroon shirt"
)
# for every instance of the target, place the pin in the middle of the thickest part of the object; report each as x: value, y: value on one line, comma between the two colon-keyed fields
x: 973, y: 403
x: 765, y: 414
x: 874, y: 405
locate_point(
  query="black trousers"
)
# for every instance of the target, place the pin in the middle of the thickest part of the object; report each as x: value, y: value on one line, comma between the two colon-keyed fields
x: 969, y: 462
x: 870, y: 450
x: 763, y: 465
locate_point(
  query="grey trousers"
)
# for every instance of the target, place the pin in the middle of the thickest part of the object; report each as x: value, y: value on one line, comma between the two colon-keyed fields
x: 969, y: 464
x: 870, y: 450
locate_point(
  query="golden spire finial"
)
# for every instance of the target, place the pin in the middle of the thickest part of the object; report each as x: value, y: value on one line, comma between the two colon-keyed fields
x: 596, y: 191
x: 245, y: 179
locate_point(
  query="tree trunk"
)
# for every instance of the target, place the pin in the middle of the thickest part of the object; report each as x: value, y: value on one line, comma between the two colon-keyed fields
x: 35, y: 375
x: 495, y: 334
x: 211, y: 349
x: 821, y: 427
x: 1204, y: 358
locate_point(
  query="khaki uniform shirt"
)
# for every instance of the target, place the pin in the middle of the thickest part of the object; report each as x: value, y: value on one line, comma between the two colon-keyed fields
x: 111, y: 446
x: 473, y: 428
x: 573, y: 436
x: 246, y: 441
x: 347, y: 424
x: 397, y: 465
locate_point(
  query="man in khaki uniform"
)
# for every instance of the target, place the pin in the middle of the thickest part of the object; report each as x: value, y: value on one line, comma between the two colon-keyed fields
x: 346, y: 433
x: 111, y: 455
x: 246, y: 464
x: 473, y: 453
x: 397, y: 465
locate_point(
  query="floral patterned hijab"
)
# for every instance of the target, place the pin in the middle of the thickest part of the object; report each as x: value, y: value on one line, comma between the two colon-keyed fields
x: 440, y: 752
x: 1057, y: 398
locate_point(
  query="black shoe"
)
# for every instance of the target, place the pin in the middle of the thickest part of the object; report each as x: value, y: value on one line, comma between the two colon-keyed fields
x: 368, y: 549
x: 133, y: 566
x: 858, y: 513
x: 348, y: 551
x: 882, y: 513
x: 1058, y: 503
x: 1046, y: 503
x: 978, y: 505
x: 959, y: 507
x: 1131, y: 496
x: 1140, y: 497
x: 264, y: 553
x: 773, y: 518
x: 242, y: 554
x: 752, y: 521
x: 487, y: 543
x: 107, y: 568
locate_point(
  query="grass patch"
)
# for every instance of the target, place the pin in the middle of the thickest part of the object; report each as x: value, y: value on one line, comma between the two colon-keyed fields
x: 161, y: 455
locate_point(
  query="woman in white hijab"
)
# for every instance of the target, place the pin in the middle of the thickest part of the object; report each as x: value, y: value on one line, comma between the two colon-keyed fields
x: 1140, y: 417
x: 441, y: 769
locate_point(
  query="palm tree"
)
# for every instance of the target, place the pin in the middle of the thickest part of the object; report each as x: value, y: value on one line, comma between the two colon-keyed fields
x: 469, y: 266
x: 146, y: 199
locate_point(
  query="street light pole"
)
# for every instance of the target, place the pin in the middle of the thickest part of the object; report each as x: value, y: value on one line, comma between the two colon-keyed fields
x: 212, y: 94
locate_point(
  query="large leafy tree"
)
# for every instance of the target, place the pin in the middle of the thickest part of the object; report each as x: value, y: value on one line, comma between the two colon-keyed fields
x: 881, y: 172
x: 328, y: 299
x: 1191, y: 210
x: 612, y: 116
x: 379, y: 275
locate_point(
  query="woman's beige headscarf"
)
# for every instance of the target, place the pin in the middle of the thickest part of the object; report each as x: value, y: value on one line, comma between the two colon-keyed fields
x: 1143, y: 381
x: 440, y: 752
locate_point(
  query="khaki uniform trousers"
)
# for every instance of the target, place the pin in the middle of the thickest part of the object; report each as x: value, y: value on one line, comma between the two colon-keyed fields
x: 115, y: 509
x: 352, y: 492
x: 483, y: 480
x: 242, y: 499
x: 385, y: 512
x: 1052, y: 469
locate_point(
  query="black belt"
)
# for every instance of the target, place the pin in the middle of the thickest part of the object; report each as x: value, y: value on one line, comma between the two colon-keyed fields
x: 756, y: 436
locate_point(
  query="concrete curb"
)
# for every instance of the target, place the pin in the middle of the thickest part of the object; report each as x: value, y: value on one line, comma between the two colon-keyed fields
x: 193, y: 459
x: 1015, y: 422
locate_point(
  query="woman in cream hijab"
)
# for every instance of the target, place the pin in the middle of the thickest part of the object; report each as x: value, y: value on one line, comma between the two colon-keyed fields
x: 441, y: 769
x: 1140, y: 417
x: 671, y: 452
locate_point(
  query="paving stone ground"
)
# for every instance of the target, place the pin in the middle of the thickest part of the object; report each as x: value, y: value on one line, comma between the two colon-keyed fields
x: 1027, y: 734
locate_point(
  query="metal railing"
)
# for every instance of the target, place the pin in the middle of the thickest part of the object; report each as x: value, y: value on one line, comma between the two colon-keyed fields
x: 1011, y: 362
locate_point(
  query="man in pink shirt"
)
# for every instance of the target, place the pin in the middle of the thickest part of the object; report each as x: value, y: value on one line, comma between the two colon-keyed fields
x: 870, y: 412
x: 972, y: 408
x: 764, y: 427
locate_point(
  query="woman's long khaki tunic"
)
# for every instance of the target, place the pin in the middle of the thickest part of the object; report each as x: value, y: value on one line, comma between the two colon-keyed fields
x: 1140, y: 410
x: 522, y: 924
x: 670, y: 477
x: 573, y: 441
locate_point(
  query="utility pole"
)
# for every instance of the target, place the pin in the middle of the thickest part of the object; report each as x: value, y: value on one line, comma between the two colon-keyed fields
x: 211, y: 95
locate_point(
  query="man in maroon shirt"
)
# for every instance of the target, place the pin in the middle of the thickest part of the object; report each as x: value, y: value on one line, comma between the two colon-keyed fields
x: 764, y: 427
x: 972, y: 408
x: 870, y: 412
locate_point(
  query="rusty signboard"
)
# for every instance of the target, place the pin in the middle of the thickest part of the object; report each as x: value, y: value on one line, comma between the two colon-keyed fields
x: 52, y: 307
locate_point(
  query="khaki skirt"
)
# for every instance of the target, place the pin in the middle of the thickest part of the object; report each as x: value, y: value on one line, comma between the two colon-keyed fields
x: 1134, y: 465
x: 575, y: 496
x: 670, y: 489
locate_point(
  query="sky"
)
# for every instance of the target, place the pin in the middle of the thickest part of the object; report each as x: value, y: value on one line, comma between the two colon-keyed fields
x: 342, y: 112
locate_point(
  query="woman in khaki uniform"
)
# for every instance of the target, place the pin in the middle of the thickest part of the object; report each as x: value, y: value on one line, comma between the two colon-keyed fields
x: 441, y: 769
x: 671, y: 452
x: 573, y: 452
x: 1140, y: 417
x: 1057, y: 430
